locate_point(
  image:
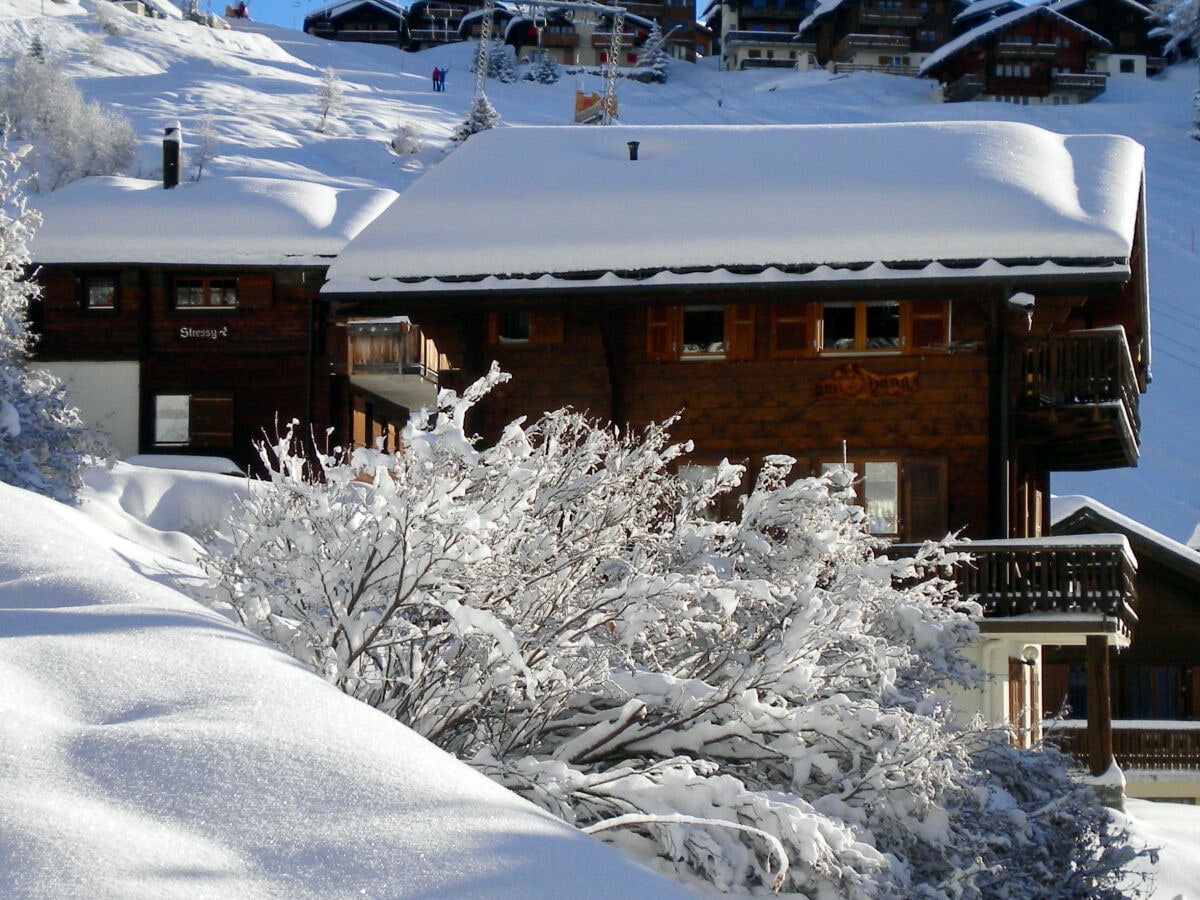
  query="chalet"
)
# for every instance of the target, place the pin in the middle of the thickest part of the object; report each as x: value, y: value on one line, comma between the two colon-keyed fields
x: 754, y: 34
x: 1126, y: 25
x: 366, y: 21
x: 1031, y: 55
x: 877, y: 35
x: 1155, y: 683
x: 953, y: 353
x: 186, y: 320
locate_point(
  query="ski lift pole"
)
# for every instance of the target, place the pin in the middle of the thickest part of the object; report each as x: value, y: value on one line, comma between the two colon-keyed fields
x: 485, y: 45
x: 609, y: 112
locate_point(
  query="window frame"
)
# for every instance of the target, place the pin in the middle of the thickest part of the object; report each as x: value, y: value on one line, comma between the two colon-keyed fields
x: 210, y: 420
x: 88, y: 281
x: 858, y: 466
x: 205, y: 283
x: 545, y: 326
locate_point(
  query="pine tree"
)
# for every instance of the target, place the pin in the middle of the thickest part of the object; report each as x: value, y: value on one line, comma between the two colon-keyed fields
x: 544, y: 70
x: 652, y: 63
x: 43, y: 443
x: 501, y: 65
x: 481, y: 117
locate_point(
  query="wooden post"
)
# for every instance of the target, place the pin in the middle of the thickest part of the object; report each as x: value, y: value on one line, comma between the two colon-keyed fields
x: 1099, y: 706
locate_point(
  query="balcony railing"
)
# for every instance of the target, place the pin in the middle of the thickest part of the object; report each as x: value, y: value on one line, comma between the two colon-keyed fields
x: 1086, y: 85
x: 1146, y: 746
x: 892, y: 18
x: 1079, y: 400
x: 1054, y: 575
x: 967, y: 87
x: 883, y: 43
x: 1014, y: 50
x: 845, y: 68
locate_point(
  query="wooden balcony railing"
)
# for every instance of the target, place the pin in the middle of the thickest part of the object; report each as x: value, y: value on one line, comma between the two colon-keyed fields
x: 1086, y: 85
x: 1060, y: 575
x: 966, y: 87
x: 1079, y: 398
x: 893, y: 18
x: 1147, y: 746
x: 883, y: 43
x: 1014, y: 50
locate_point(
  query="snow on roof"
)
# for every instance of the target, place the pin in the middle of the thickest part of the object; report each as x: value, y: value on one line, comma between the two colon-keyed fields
x: 1063, y: 508
x: 332, y: 10
x: 999, y: 23
x: 1132, y: 4
x: 794, y: 197
x: 980, y: 7
x: 214, y: 221
x: 152, y: 748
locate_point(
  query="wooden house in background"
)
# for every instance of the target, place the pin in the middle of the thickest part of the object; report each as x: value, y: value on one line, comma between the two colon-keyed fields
x: 954, y: 354
x: 1155, y: 683
x: 893, y: 36
x: 1034, y: 54
x: 188, y: 320
x: 365, y: 21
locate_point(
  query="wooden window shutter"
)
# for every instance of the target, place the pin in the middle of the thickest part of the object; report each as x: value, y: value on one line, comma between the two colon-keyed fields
x: 211, y: 422
x: 255, y: 290
x: 739, y: 331
x: 61, y: 289
x: 926, y: 500
x: 792, y: 330
x: 927, y: 324
x: 493, y: 329
x: 546, y: 327
x: 662, y: 333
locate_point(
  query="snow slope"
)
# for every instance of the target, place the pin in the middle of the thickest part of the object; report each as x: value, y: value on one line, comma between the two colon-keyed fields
x: 257, y: 83
x: 150, y: 748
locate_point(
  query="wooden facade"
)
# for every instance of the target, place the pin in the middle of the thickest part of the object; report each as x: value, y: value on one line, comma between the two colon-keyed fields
x: 364, y: 21
x: 221, y: 353
x: 1034, y: 54
x: 880, y: 35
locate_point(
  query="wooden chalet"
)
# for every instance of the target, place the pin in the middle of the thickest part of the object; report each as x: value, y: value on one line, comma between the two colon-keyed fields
x: 187, y: 320
x: 1155, y: 683
x: 1126, y: 25
x: 761, y: 35
x: 365, y: 21
x: 954, y: 354
x: 1031, y: 55
x: 892, y: 36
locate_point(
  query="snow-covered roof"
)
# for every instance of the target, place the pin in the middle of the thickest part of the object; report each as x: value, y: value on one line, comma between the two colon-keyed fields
x: 214, y: 221
x: 333, y: 10
x: 1068, y: 507
x: 1132, y: 4
x: 982, y: 7
x: 991, y: 26
x: 807, y: 202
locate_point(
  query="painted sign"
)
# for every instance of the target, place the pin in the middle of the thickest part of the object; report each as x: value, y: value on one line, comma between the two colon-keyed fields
x: 188, y: 333
x: 852, y: 382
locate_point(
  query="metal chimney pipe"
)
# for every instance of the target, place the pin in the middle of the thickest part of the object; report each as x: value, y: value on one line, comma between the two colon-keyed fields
x: 632, y: 145
x: 172, y: 152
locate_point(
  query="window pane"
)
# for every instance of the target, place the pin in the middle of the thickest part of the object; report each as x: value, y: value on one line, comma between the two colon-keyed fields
x: 839, y: 327
x: 189, y: 293
x: 881, y: 493
x: 703, y: 329
x: 171, y: 412
x: 513, y: 326
x: 222, y: 293
x: 101, y: 293
x: 883, y: 325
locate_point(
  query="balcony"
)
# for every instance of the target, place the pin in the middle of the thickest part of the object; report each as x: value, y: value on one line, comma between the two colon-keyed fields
x: 1061, y: 576
x: 1014, y: 50
x: 1077, y: 409
x: 846, y: 68
x: 891, y: 18
x: 369, y: 35
x: 793, y: 12
x: 875, y: 43
x: 968, y: 87
x: 1152, y: 746
x: 603, y: 39
x: 559, y: 39
x: 1085, y: 86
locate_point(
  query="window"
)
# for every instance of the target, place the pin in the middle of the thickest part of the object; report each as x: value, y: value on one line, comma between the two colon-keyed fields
x: 1127, y: 67
x: 877, y: 486
x: 700, y: 332
x: 525, y: 327
x: 206, y: 293
x: 193, y: 420
x: 100, y: 293
x: 861, y: 327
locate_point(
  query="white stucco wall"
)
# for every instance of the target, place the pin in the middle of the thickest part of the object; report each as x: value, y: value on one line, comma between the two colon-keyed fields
x: 106, y: 394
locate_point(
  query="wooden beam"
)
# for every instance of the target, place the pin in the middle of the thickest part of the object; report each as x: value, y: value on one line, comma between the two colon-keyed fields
x: 1099, y: 706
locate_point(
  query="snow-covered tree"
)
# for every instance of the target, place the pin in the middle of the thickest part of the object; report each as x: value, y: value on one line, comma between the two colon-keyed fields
x: 331, y: 96
x: 543, y: 69
x: 481, y: 117
x: 43, y: 443
x: 742, y: 704
x: 653, y: 60
x: 1181, y: 21
x: 72, y: 137
x: 502, y: 63
x: 206, y: 143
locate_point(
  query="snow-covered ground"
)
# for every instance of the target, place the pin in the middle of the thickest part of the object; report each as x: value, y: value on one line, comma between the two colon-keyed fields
x: 258, y: 84
x: 150, y: 748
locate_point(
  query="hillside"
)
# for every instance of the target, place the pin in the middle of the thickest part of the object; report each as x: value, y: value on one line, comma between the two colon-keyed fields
x: 257, y: 83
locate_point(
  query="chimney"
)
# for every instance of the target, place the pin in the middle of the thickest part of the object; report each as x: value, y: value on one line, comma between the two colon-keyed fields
x: 632, y: 145
x: 172, y: 151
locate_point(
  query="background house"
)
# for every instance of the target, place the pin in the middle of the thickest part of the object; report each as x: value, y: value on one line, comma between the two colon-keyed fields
x: 187, y: 320
x: 820, y: 326
x: 368, y: 21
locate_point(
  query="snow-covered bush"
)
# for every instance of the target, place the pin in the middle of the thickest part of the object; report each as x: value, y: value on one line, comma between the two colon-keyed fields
x: 72, y: 137
x: 543, y: 69
x: 741, y: 704
x: 406, y: 140
x: 43, y: 443
x: 481, y: 117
